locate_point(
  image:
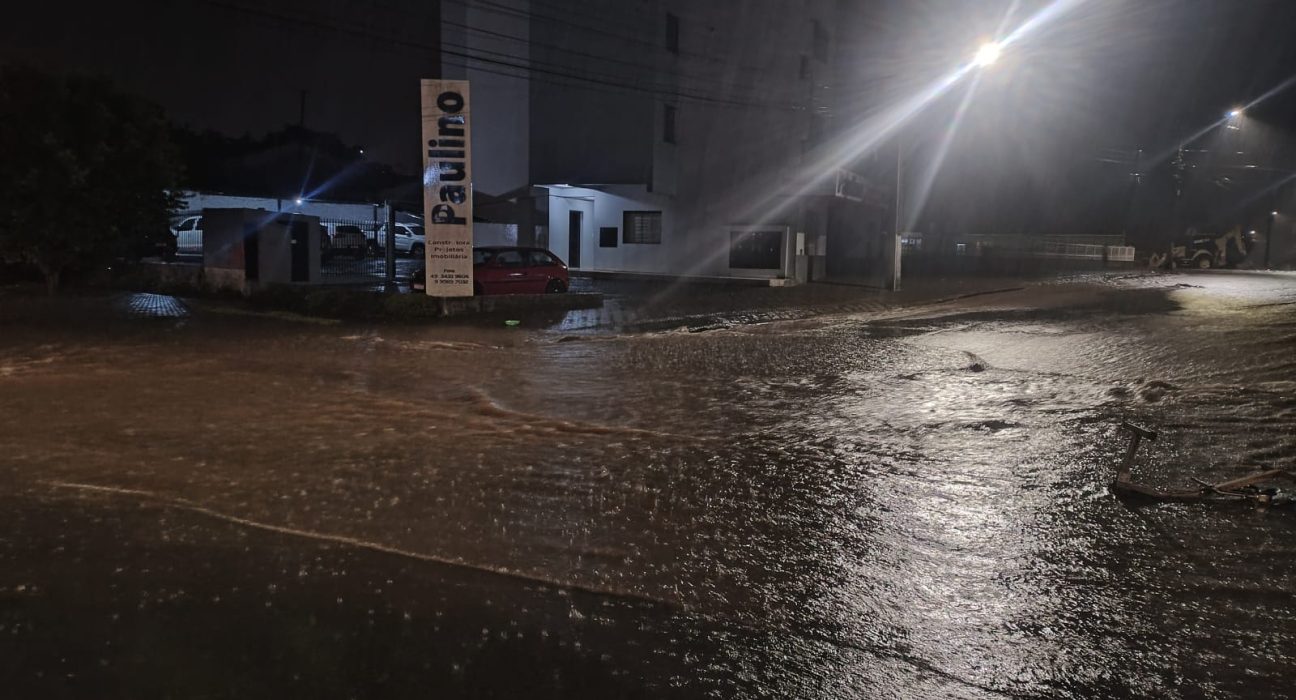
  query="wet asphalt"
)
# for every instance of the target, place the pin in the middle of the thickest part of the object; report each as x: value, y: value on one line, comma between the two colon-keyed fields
x: 827, y: 495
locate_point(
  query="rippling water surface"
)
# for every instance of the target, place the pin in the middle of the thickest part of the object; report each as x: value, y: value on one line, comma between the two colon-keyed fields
x: 899, y: 504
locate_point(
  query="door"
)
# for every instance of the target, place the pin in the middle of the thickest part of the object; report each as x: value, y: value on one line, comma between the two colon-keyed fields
x: 574, y: 221
x: 509, y: 273
x: 541, y: 268
x: 251, y: 253
x: 299, y: 245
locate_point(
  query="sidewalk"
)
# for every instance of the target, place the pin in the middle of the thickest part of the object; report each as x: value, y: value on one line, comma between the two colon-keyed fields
x: 652, y: 305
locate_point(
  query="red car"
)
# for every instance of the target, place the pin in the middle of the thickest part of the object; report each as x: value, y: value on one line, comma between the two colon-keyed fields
x: 511, y: 270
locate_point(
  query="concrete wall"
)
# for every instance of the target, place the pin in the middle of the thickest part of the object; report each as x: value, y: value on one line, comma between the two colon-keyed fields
x: 597, y: 88
x: 500, y: 94
x: 224, y: 259
x: 695, y: 251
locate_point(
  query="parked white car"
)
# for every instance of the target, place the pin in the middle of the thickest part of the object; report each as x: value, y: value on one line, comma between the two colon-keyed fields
x: 189, y: 236
x: 409, y: 239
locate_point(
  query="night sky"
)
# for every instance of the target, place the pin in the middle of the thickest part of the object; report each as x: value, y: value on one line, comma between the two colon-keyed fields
x: 1107, y: 78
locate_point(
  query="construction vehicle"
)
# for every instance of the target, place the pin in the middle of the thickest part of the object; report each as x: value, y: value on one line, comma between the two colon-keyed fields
x: 1204, y: 251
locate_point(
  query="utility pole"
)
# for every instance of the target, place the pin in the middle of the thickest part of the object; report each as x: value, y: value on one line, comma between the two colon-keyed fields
x: 892, y: 247
x: 1273, y: 214
x: 389, y: 247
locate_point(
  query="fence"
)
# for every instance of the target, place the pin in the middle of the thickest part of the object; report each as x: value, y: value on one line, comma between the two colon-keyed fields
x: 353, y: 251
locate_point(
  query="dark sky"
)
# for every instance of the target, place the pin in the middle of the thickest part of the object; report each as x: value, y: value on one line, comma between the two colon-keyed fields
x: 1109, y: 77
x: 213, y: 65
x: 1048, y: 138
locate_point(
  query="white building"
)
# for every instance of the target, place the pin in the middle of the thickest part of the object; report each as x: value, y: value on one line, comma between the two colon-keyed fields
x: 659, y: 136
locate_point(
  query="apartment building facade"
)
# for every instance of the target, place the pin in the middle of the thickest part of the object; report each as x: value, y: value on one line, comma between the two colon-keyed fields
x: 662, y: 136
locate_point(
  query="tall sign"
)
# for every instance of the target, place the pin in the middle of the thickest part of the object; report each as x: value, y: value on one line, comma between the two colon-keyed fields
x: 447, y: 188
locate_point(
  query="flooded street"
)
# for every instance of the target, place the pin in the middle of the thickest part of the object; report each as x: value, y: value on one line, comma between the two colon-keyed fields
x: 888, y: 502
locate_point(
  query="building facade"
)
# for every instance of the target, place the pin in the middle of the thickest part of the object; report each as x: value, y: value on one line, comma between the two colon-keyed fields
x: 662, y: 136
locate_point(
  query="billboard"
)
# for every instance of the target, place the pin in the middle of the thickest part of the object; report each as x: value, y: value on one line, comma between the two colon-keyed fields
x: 447, y: 188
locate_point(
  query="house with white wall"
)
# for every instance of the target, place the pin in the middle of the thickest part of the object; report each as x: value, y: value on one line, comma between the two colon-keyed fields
x: 660, y: 136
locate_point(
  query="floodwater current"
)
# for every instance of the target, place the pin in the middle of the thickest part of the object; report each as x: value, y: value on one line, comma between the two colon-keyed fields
x: 907, y: 503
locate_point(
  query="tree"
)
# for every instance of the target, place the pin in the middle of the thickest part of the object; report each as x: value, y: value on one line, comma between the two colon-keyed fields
x: 85, y: 173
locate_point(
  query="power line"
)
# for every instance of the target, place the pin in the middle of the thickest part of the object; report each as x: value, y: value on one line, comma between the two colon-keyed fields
x: 667, y: 93
x: 492, y: 7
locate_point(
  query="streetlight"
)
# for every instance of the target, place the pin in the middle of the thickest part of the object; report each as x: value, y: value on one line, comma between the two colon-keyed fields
x: 1235, y: 112
x: 1269, y: 237
x: 986, y: 56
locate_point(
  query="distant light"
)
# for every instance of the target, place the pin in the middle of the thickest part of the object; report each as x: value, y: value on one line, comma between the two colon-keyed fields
x: 1273, y: 213
x: 299, y: 201
x: 987, y: 54
x: 1253, y: 232
x: 1235, y: 113
x: 362, y: 151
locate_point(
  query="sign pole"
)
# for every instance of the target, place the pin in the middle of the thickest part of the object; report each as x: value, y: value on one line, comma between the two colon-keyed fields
x: 447, y: 188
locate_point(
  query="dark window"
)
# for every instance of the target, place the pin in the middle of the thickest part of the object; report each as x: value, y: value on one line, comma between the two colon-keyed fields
x: 608, y: 237
x: 481, y: 257
x: 542, y: 258
x: 672, y: 33
x: 755, y: 250
x: 820, y: 41
x: 510, y: 258
x: 805, y: 67
x: 668, y: 124
x: 642, y: 227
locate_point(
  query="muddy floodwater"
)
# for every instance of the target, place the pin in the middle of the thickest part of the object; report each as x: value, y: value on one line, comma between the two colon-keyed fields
x: 904, y: 502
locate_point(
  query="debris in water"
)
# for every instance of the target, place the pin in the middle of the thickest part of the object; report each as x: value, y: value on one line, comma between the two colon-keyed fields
x: 1246, y: 488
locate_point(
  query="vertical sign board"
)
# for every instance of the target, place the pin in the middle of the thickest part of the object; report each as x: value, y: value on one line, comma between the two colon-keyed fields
x: 447, y: 188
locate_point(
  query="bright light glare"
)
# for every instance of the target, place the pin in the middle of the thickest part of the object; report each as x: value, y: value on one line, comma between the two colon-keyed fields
x: 299, y: 201
x: 1235, y: 113
x: 987, y: 54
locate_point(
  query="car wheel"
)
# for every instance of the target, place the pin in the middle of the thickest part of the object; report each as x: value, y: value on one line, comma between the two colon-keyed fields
x: 1204, y: 262
x: 416, y: 250
x: 555, y: 287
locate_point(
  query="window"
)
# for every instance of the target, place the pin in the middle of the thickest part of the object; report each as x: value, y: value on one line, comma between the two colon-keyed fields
x: 608, y: 237
x: 542, y: 258
x: 510, y: 258
x: 755, y: 250
x: 819, y: 43
x: 642, y: 227
x: 481, y: 257
x: 668, y: 123
x: 672, y: 33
